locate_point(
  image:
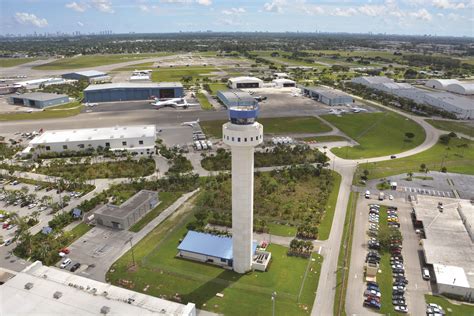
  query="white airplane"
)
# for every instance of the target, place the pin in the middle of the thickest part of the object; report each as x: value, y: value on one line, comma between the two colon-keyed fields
x: 358, y: 110
x: 191, y: 123
x: 90, y: 104
x: 337, y: 111
x: 175, y: 103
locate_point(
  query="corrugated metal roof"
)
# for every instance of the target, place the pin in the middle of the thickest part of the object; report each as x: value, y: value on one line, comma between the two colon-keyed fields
x: 132, y: 85
x: 209, y: 245
x: 40, y: 96
x: 90, y: 73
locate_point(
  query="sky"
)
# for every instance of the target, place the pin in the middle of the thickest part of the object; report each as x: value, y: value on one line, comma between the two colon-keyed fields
x: 412, y: 17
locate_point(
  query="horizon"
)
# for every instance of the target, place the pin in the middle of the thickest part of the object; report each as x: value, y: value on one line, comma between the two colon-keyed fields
x: 440, y: 18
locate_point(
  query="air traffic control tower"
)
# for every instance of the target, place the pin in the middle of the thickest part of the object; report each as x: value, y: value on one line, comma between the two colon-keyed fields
x: 242, y: 134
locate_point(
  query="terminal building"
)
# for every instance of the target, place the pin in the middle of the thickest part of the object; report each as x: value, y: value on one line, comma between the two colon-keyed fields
x: 42, y: 290
x: 327, y: 96
x: 218, y: 250
x: 89, y: 75
x: 131, y: 91
x: 39, y: 100
x: 448, y: 250
x: 244, y: 83
x: 129, y: 212
x: 138, y: 139
x: 236, y: 97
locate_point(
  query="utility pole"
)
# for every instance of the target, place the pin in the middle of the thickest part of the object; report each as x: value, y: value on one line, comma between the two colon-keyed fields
x: 274, y: 294
x: 131, y: 249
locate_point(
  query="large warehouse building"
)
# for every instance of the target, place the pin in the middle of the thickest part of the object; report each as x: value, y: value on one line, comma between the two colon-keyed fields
x: 39, y: 100
x: 244, y: 83
x: 129, y: 91
x: 465, y: 88
x: 448, y: 248
x: 327, y: 96
x: 139, y: 139
x: 236, y: 97
x: 90, y: 75
x: 42, y: 290
x: 129, y: 212
x: 461, y: 106
x: 440, y: 84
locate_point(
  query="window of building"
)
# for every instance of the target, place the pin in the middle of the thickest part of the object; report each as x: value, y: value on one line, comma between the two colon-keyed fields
x: 251, y: 139
x: 223, y: 260
x: 48, y: 148
x: 245, y: 139
x: 81, y: 145
x: 140, y: 142
x: 107, y: 144
x: 232, y: 138
x: 64, y: 146
x: 238, y: 139
x: 124, y: 143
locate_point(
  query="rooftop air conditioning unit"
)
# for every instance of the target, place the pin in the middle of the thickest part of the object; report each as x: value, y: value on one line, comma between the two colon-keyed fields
x: 57, y: 294
x: 29, y: 286
x: 105, y: 310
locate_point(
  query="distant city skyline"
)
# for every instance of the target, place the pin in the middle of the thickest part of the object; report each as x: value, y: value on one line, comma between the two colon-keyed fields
x: 410, y: 17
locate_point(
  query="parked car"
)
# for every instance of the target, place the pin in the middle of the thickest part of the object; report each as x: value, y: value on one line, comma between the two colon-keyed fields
x: 373, y: 287
x: 372, y: 304
x: 398, y: 292
x: 399, y: 302
x: 8, y: 242
x: 65, y: 263
x: 372, y: 283
x: 425, y: 273
x: 401, y: 308
x: 398, y: 287
x: 372, y: 292
x: 75, y: 267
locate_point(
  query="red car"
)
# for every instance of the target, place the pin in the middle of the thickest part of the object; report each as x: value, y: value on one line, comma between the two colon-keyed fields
x: 65, y: 250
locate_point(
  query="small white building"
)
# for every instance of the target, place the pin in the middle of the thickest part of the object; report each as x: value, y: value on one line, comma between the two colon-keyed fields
x: 284, y: 83
x: 140, y: 78
x: 138, y: 139
x: 440, y: 84
x: 280, y: 75
x: 244, y: 83
x: 465, y: 88
x: 36, y: 83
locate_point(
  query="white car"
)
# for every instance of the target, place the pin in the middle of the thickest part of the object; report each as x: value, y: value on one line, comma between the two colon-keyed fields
x: 32, y: 205
x: 372, y: 293
x: 390, y: 197
x: 425, y: 274
x: 65, y: 263
x: 401, y: 308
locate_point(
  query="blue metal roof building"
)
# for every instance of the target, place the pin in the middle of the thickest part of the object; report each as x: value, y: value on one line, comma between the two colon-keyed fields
x: 39, y: 100
x: 128, y: 91
x: 236, y: 97
x: 208, y: 248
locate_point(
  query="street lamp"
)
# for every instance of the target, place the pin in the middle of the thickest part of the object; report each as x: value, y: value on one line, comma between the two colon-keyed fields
x: 131, y: 248
x: 274, y: 294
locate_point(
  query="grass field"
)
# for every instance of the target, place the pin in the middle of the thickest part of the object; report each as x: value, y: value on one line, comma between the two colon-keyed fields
x: 181, y: 280
x: 94, y: 60
x: 276, y: 125
x: 378, y: 134
x: 80, y: 230
x: 218, y: 87
x: 449, y: 308
x: 456, y: 159
x: 176, y: 74
x: 324, y: 139
x: 166, y: 199
x: 282, y: 230
x: 10, y: 62
x: 451, y: 126
x: 205, y: 104
x: 344, y: 258
x: 141, y: 66
x: 60, y: 111
x: 326, y: 223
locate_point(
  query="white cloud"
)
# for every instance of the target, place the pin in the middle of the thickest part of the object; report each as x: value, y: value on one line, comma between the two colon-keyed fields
x: 148, y: 8
x: 204, y: 2
x: 80, y: 24
x: 201, y: 2
x: 30, y: 19
x: 344, y: 12
x: 313, y: 9
x: 233, y: 11
x: 372, y: 10
x: 274, y: 6
x: 79, y: 7
x: 103, y: 5
x: 448, y: 4
x: 422, y: 14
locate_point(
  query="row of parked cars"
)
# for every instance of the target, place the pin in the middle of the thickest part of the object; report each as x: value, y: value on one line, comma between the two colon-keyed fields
x: 433, y: 309
x: 372, y: 294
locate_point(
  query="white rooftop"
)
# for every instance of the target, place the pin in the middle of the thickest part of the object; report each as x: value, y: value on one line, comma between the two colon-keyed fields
x: 244, y: 78
x: 88, y: 134
x: 453, y: 99
x: 76, y: 295
x: 131, y: 85
x: 450, y: 275
x: 283, y: 80
x: 90, y: 73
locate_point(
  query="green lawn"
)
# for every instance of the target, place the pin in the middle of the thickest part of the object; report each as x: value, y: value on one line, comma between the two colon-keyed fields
x: 187, y: 281
x: 217, y: 87
x: 449, y: 308
x: 326, y: 222
x: 452, y: 126
x: 176, y: 74
x: 142, y: 66
x: 324, y: 139
x: 205, y: 104
x: 282, y: 230
x: 10, y: 62
x: 79, y: 231
x: 166, y: 198
x: 275, y: 125
x: 60, y: 111
x: 456, y: 159
x: 378, y: 134
x: 344, y: 258
x: 94, y: 60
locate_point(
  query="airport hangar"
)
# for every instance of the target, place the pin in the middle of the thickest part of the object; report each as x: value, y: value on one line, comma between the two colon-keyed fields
x: 327, y: 96
x: 236, y: 97
x: 244, y: 83
x: 129, y: 91
x: 39, y: 100
x: 89, y: 75
x: 138, y: 138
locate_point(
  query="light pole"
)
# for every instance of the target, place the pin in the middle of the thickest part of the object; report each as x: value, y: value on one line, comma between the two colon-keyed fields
x: 274, y: 294
x: 131, y: 249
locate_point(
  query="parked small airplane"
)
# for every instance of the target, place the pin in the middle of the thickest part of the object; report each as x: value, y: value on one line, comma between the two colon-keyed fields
x: 337, y: 111
x: 88, y: 104
x: 358, y: 110
x: 191, y: 123
x: 175, y: 103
